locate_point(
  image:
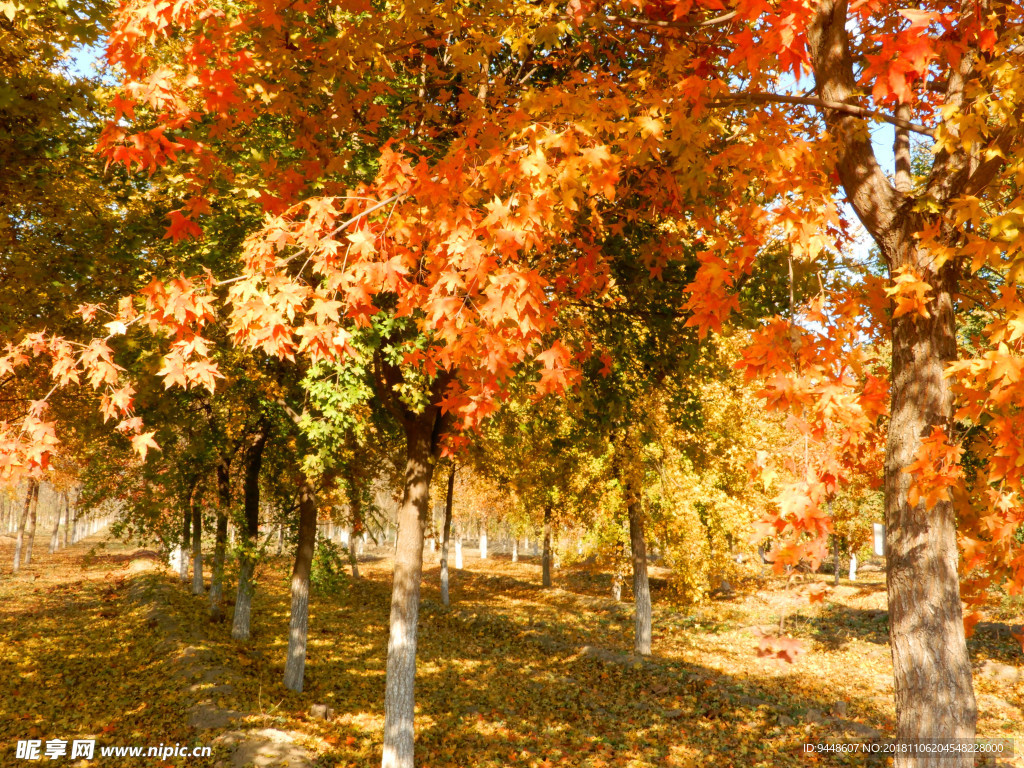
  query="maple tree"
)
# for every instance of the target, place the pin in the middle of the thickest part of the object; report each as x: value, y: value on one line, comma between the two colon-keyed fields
x: 936, y: 70
x: 481, y: 262
x: 456, y: 170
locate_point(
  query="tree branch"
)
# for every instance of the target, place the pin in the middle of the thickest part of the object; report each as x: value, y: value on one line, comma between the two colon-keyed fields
x: 901, y: 153
x: 759, y: 97
x: 868, y: 190
x: 385, y: 378
x: 634, y: 21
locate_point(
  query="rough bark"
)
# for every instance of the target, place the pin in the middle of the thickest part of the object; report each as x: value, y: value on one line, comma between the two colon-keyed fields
x: 298, y: 625
x: 20, y: 541
x: 934, y: 691
x: 422, y: 434
x: 641, y: 585
x: 30, y: 530
x: 545, y: 579
x: 932, y: 674
x: 446, y: 535
x: 240, y: 623
x: 197, y: 548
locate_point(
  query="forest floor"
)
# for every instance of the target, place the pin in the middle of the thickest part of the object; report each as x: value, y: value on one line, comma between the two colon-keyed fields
x: 99, y: 641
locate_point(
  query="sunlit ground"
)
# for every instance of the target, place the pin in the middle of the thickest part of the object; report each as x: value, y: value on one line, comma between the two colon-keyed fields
x: 510, y: 675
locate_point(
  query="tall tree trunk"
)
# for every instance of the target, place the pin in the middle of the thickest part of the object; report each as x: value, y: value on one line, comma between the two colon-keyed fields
x: 355, y: 505
x: 240, y: 625
x: 545, y: 579
x: 220, y: 545
x: 835, y: 559
x: 446, y: 534
x: 931, y: 666
x: 62, y: 501
x: 67, y: 520
x: 298, y: 627
x: 30, y: 531
x: 353, y: 558
x: 934, y: 690
x: 20, y: 542
x: 197, y: 546
x: 422, y: 433
x: 641, y: 585
x: 186, y: 538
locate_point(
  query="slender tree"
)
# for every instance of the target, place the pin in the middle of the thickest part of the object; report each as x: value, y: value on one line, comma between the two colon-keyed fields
x: 446, y: 533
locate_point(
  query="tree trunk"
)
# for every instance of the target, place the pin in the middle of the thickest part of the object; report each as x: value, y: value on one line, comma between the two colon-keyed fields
x: 55, y: 536
x: 641, y: 586
x: 422, y: 433
x: 30, y: 532
x: 220, y: 545
x: 298, y: 626
x: 835, y: 558
x: 197, y: 548
x: 853, y: 567
x: 240, y: 624
x: 446, y: 535
x: 186, y: 537
x: 220, y: 542
x: 355, y: 505
x: 545, y: 579
x: 20, y: 542
x: 934, y: 690
x: 67, y: 520
x: 483, y: 541
x: 931, y: 666
x: 353, y: 559
x: 515, y: 550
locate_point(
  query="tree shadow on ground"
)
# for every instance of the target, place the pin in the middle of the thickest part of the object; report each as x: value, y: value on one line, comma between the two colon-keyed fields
x: 89, y: 662
x: 837, y: 624
x: 506, y: 679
